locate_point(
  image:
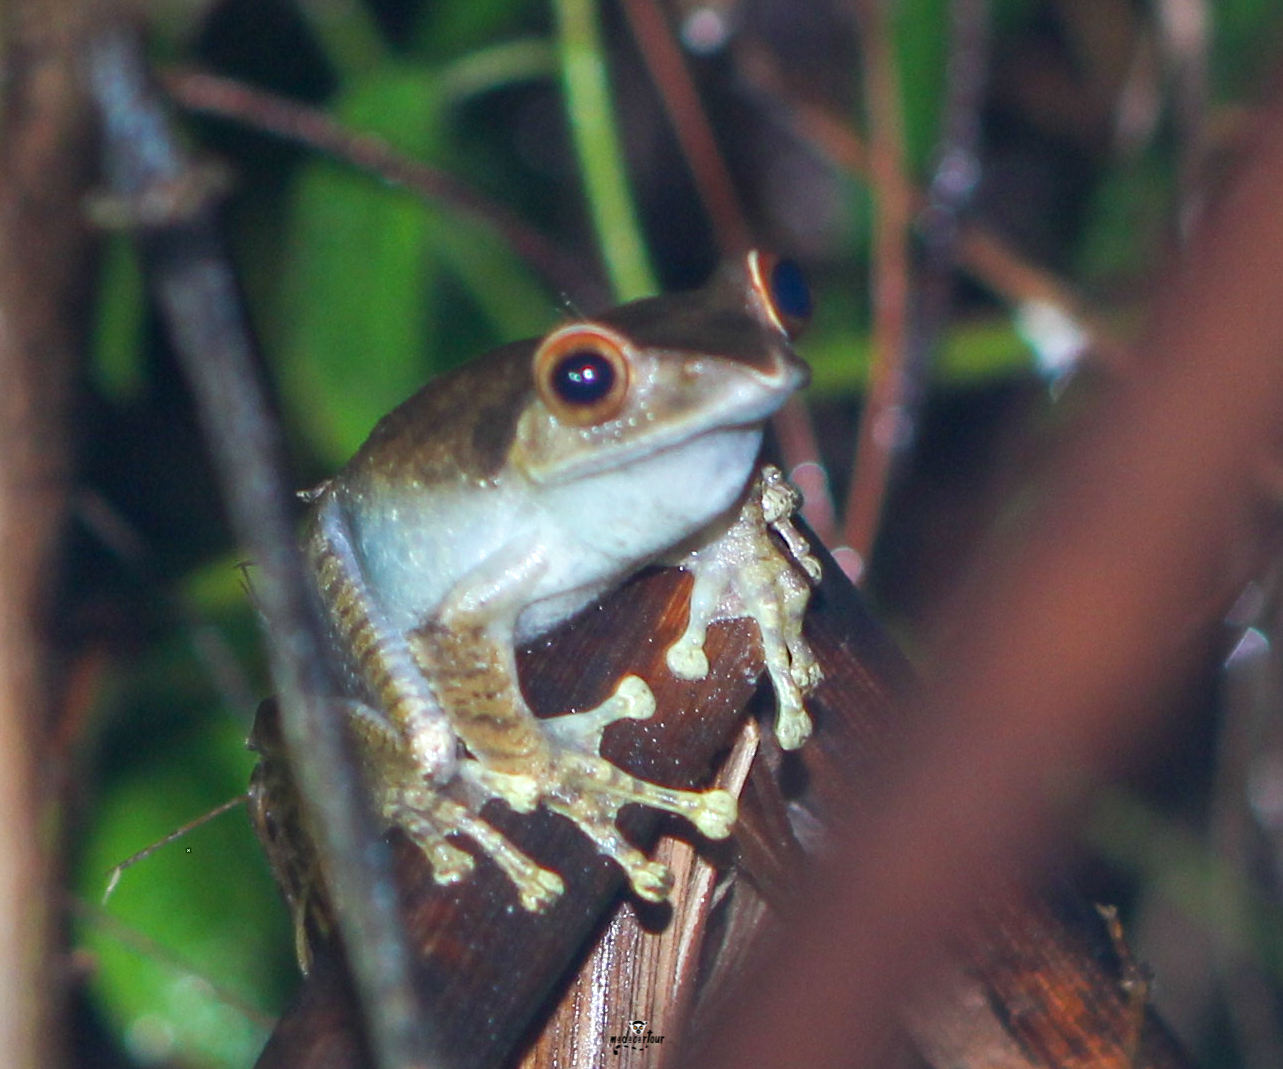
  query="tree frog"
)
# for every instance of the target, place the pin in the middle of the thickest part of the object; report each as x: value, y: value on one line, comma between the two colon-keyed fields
x: 509, y: 494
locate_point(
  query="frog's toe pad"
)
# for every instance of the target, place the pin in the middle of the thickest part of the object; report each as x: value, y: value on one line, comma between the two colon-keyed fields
x: 806, y: 672
x: 686, y: 659
x: 634, y: 700
x: 792, y: 728
x: 427, y: 818
x: 716, y: 814
x: 650, y: 880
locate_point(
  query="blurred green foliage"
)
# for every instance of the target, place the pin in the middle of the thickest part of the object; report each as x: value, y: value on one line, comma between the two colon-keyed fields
x: 168, y: 749
x: 208, y: 898
x: 361, y: 292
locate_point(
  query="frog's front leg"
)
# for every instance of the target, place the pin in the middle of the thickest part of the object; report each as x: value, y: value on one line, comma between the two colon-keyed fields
x: 377, y: 655
x: 745, y: 573
x: 467, y: 650
x: 407, y: 747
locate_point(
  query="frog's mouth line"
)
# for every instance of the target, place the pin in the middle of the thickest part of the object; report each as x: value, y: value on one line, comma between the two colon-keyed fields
x: 733, y: 409
x: 628, y: 453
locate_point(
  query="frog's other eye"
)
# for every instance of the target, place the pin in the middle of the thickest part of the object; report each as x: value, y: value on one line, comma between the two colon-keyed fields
x: 781, y: 289
x: 581, y: 374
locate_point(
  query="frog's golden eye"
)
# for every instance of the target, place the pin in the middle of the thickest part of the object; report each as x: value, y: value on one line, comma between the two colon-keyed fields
x: 781, y: 288
x: 581, y: 374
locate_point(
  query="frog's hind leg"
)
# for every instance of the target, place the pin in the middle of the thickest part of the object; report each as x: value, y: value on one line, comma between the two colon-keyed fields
x: 556, y: 762
x: 405, y: 799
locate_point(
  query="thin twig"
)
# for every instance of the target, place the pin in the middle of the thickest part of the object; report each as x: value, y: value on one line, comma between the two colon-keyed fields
x: 117, y: 871
x: 46, y: 262
x: 881, y: 426
x: 1183, y: 35
x: 291, y: 121
x: 957, y: 174
x: 800, y: 447
x: 198, y: 298
x: 983, y: 253
x: 712, y: 178
x: 690, y: 123
x: 1250, y: 700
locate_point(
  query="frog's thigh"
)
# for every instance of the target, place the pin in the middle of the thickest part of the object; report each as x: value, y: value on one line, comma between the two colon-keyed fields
x: 474, y: 674
x: 466, y: 650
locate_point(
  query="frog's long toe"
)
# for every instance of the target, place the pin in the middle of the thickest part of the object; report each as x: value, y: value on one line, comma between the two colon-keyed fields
x: 632, y: 700
x: 584, y: 787
x: 591, y: 793
x: 649, y: 879
x: 428, y: 817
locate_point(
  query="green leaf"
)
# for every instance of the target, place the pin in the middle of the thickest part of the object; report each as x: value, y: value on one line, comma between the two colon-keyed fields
x: 586, y: 87
x: 201, y: 898
x: 511, y: 303
x: 446, y: 30
x: 357, y: 275
x: 973, y: 352
x: 487, y: 69
x: 1127, y: 222
x: 922, y: 50
x: 118, y: 349
x: 1244, y: 40
x: 382, y: 289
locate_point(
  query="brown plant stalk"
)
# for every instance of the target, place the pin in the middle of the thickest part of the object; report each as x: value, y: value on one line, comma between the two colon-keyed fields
x: 1054, y: 659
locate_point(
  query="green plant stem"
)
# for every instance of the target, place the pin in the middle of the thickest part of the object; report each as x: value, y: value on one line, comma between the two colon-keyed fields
x: 600, y: 152
x: 491, y: 68
x: 348, y: 35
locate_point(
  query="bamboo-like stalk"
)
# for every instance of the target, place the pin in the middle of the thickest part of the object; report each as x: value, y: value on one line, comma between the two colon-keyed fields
x: 46, y: 257
x: 882, y: 421
x: 599, y: 149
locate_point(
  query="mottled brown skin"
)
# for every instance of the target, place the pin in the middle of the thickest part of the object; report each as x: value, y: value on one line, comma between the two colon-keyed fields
x: 464, y: 657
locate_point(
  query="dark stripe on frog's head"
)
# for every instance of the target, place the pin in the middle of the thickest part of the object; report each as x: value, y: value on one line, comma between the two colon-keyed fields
x: 459, y: 426
x: 717, y: 320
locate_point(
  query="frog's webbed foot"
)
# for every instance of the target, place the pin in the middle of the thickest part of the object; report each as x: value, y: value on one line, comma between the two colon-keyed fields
x: 576, y: 782
x: 566, y: 775
x: 745, y: 573
x: 405, y: 798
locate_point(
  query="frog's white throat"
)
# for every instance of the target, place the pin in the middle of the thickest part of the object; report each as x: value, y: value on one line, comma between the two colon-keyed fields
x: 613, y: 523
x: 573, y: 539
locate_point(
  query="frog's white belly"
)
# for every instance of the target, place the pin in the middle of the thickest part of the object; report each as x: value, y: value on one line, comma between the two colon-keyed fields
x: 589, y: 533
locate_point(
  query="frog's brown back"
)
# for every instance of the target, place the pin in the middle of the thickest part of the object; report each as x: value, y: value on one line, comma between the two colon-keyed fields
x: 457, y: 428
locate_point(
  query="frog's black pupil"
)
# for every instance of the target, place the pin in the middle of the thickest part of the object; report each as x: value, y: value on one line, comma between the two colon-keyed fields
x: 584, y: 377
x: 790, y: 292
